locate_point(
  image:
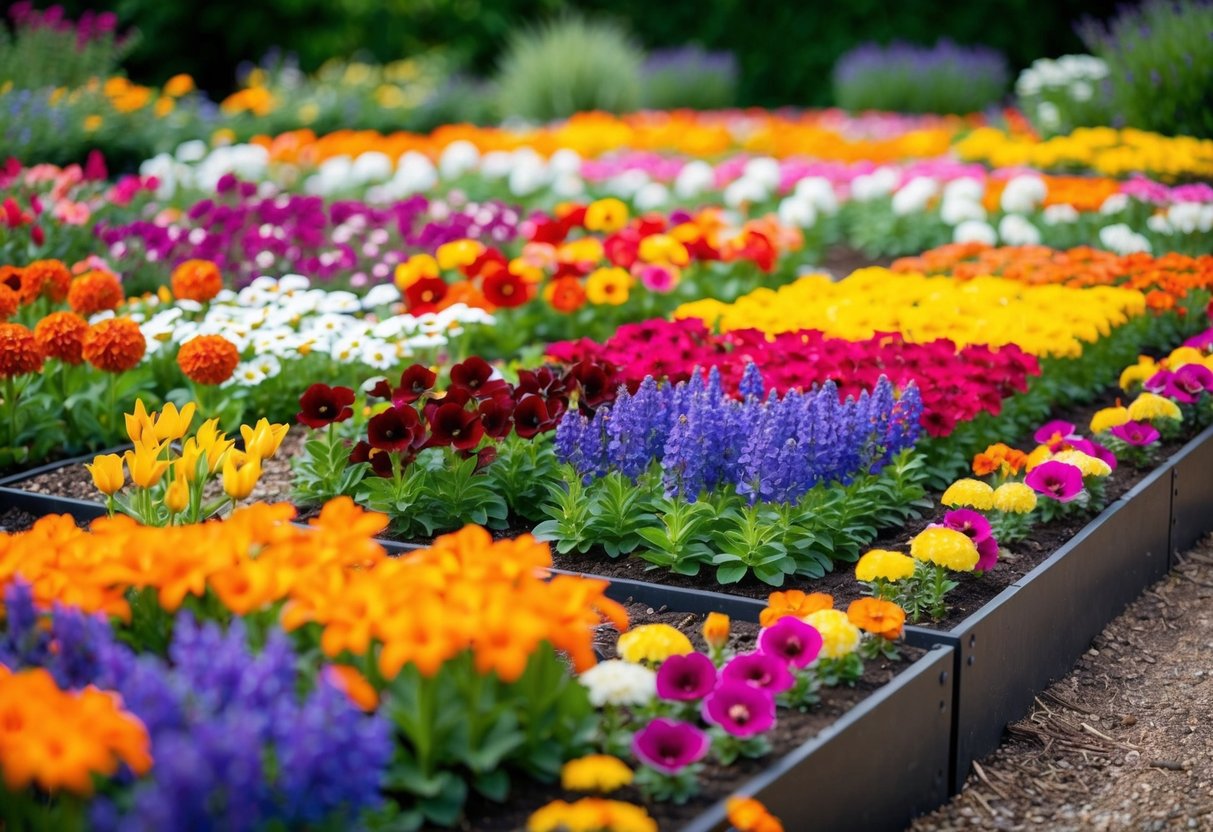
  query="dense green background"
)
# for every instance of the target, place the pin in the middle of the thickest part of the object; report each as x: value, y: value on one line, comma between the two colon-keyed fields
x: 785, y: 48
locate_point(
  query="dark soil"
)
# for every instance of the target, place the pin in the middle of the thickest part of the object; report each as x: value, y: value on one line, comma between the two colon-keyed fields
x: 792, y: 729
x: 840, y: 261
x: 13, y: 520
x: 1122, y: 743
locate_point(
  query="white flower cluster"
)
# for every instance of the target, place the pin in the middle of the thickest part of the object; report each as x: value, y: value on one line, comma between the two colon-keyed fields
x: 1183, y: 218
x: 1070, y: 78
x: 192, y: 166
x: 617, y: 682
x: 283, y: 319
x: 1122, y: 239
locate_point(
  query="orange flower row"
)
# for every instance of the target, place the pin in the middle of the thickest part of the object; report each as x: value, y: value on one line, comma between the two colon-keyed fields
x: 880, y: 618
x: 1164, y: 280
x: 58, y: 740
x: 465, y: 592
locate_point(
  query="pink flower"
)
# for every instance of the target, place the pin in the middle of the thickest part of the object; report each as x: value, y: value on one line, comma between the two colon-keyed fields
x: 987, y: 554
x: 71, y: 213
x: 1055, y: 433
x: 757, y: 669
x: 1059, y: 480
x: 792, y: 640
x: 740, y: 709
x: 669, y: 745
x: 659, y: 278
x: 1137, y: 434
x: 970, y: 522
x: 686, y: 678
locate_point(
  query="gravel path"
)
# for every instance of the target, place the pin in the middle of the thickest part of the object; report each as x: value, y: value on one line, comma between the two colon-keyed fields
x: 1125, y: 742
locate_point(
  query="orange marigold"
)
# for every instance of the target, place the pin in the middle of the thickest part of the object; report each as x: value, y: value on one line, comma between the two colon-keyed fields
x: 748, y: 815
x: 27, y: 284
x: 61, y: 335
x: 208, y: 359
x: 53, y: 276
x: 880, y: 618
x: 115, y: 345
x: 10, y: 301
x: 94, y: 292
x: 19, y: 352
x: 794, y: 602
x: 197, y: 280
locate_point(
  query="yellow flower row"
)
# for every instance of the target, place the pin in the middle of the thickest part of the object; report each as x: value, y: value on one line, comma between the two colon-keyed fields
x: 1105, y: 150
x: 1041, y: 320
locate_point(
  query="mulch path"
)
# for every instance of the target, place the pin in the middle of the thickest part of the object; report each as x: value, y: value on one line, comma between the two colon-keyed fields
x: 1125, y: 741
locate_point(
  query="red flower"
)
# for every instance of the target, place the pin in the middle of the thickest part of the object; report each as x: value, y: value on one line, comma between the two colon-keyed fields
x: 496, y: 417
x: 323, y: 405
x: 622, y: 248
x: 488, y: 262
x: 532, y: 416
x: 425, y: 294
x: 381, y: 461
x: 505, y: 289
x: 395, y: 429
x: 475, y: 376
x: 14, y: 217
x: 415, y: 382
x: 596, y: 381
x: 451, y: 425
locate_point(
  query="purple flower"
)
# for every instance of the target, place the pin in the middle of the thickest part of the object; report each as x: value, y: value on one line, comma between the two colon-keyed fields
x: 1189, y: 383
x: 1137, y: 434
x: 970, y: 522
x: 1055, y: 431
x: 740, y: 708
x: 1059, y: 480
x: 686, y: 678
x: 669, y: 745
x: 987, y: 554
x: 760, y: 670
x: 792, y: 640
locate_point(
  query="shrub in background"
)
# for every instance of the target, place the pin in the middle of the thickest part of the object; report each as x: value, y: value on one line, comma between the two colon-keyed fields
x: 689, y: 77
x: 46, y: 49
x: 1060, y: 95
x: 567, y: 65
x: 1160, y: 65
x: 944, y: 78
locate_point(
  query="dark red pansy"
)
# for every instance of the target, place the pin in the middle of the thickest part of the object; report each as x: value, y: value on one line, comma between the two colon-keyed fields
x: 395, y: 429
x: 381, y: 461
x: 321, y: 405
x: 496, y: 415
x: 532, y: 417
x: 451, y: 425
x: 475, y: 376
x: 415, y: 382
x: 596, y: 381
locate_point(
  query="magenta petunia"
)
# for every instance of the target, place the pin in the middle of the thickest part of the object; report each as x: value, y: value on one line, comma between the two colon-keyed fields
x: 987, y: 554
x: 1055, y: 432
x: 1059, y: 480
x: 759, y: 670
x: 792, y: 640
x: 1093, y: 448
x: 740, y: 709
x: 670, y: 745
x: 970, y: 522
x: 1189, y: 383
x: 1137, y: 434
x: 686, y: 678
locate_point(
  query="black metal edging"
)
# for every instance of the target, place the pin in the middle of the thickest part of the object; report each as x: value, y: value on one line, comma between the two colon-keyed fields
x: 878, y: 767
x: 47, y: 467
x: 1192, y: 493
x: 1033, y: 632
x: 41, y: 505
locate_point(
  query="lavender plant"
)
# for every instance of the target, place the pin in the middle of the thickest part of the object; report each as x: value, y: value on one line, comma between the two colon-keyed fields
x: 689, y: 76
x: 944, y: 78
x: 775, y: 486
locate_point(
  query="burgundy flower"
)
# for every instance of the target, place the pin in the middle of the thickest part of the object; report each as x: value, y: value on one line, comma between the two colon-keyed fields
x: 596, y: 381
x: 532, y: 417
x: 475, y: 376
x: 415, y: 382
x: 496, y: 416
x: 451, y: 425
x: 485, y: 457
x: 381, y: 461
x: 669, y: 745
x: 543, y: 382
x: 1059, y: 480
x: 970, y: 522
x: 1137, y: 434
x: 760, y: 670
x: 792, y: 640
x: 686, y: 678
x: 395, y: 429
x: 740, y: 708
x: 322, y: 405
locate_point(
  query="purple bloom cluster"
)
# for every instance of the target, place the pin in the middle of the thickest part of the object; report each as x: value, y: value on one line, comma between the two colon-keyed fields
x: 90, y: 26
x: 235, y: 744
x: 249, y: 235
x: 773, y: 449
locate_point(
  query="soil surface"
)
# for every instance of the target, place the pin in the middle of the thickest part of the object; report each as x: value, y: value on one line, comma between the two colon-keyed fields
x: 1125, y: 741
x: 792, y: 728
x: 840, y: 261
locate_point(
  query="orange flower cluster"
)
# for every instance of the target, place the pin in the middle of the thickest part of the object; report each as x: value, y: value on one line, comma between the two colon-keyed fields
x: 50, y: 278
x: 196, y: 280
x: 466, y: 592
x: 1083, y: 193
x: 94, y: 292
x: 19, y: 351
x: 748, y: 815
x: 818, y: 134
x: 115, y: 345
x: 208, y: 359
x: 880, y: 618
x: 999, y: 459
x: 1165, y: 280
x: 58, y: 740
x: 61, y: 335
x: 794, y: 602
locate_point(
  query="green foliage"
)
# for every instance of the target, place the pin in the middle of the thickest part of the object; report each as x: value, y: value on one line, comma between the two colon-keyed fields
x: 1160, y: 62
x: 568, y: 65
x: 45, y: 56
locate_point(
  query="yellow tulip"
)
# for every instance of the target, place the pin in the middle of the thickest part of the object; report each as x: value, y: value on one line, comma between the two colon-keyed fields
x: 107, y: 473
x: 186, y: 466
x: 171, y: 424
x: 263, y: 440
x: 214, y: 443
x: 145, y: 464
x: 177, y: 497
x: 139, y: 424
x: 240, y: 478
